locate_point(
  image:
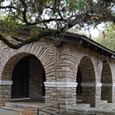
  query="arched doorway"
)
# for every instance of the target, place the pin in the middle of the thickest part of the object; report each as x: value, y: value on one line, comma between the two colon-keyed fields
x: 20, y: 78
x: 86, y: 81
x: 79, y: 81
x: 106, y: 80
x: 28, y: 78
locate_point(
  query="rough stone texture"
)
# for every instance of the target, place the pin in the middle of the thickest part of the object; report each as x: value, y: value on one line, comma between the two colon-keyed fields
x: 36, y: 73
x: 61, y: 65
x: 5, y: 94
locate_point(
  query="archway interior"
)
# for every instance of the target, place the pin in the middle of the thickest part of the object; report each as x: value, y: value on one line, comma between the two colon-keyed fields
x: 79, y: 80
x: 20, y: 78
x: 85, y: 76
x: 28, y: 79
x: 106, y: 80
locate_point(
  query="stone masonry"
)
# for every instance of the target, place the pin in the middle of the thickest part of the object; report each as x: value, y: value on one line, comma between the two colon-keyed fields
x: 97, y: 81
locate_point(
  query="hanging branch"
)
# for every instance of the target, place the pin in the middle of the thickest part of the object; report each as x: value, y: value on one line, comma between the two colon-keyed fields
x: 27, y: 13
x: 24, y: 42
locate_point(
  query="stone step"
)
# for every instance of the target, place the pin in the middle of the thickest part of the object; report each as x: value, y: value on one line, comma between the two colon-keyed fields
x: 106, y: 107
x: 19, y: 105
x: 102, y: 102
x: 80, y: 106
x: 11, y: 108
x: 19, y: 111
x: 109, y: 106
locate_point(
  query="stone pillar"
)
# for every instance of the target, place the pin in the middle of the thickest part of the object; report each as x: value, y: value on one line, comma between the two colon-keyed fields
x: 98, y: 100
x: 113, y: 92
x: 91, y: 93
x: 5, y: 91
x: 62, y: 92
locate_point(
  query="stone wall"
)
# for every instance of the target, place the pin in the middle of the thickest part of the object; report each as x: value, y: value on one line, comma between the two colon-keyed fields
x: 61, y: 67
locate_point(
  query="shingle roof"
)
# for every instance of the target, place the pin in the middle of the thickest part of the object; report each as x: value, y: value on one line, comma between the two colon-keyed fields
x: 89, y: 43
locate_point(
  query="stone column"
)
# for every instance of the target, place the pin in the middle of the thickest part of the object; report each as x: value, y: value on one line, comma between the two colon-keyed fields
x: 113, y: 92
x: 62, y: 92
x: 5, y: 91
x: 98, y: 100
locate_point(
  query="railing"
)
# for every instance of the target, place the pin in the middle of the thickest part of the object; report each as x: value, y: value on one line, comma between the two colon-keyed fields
x: 26, y: 112
x: 53, y: 109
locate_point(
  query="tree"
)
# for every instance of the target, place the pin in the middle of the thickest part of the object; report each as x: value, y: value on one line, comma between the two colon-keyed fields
x: 107, y: 37
x: 50, y: 17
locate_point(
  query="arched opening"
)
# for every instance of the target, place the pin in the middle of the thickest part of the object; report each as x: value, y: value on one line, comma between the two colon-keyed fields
x: 28, y: 78
x: 79, y: 81
x: 20, y: 78
x: 86, y: 81
x: 106, y: 80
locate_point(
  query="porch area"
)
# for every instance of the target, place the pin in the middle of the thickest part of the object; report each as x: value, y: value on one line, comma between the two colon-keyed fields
x: 28, y: 107
x: 39, y: 108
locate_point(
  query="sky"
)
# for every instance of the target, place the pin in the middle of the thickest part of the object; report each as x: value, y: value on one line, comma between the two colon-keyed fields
x: 96, y: 31
x: 93, y: 31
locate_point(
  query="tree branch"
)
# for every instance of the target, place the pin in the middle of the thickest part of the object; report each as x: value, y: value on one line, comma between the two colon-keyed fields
x: 85, y: 17
x: 24, y: 42
x: 24, y: 12
x: 17, y: 39
x: 10, y: 7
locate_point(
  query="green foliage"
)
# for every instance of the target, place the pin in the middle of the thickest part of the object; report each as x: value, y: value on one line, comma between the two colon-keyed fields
x: 33, y: 11
x: 34, y: 32
x: 39, y: 9
x: 61, y: 15
x: 9, y: 26
x: 107, y: 38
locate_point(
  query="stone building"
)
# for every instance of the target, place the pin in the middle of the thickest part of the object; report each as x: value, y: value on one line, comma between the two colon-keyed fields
x: 77, y: 69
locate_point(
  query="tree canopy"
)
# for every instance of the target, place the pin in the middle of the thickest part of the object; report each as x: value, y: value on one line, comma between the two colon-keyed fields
x: 107, y: 37
x: 50, y: 17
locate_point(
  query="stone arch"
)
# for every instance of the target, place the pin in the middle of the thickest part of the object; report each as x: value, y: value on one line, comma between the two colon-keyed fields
x: 86, y: 81
x: 9, y: 66
x: 25, y: 70
x: 42, y: 52
x: 106, y: 80
x: 12, y: 57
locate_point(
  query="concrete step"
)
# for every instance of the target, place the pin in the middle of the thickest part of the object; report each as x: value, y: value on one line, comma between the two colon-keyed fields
x: 7, y: 112
x: 80, y: 106
x: 18, y: 108
x: 15, y: 105
x: 11, y: 108
x: 19, y: 111
x: 20, y: 105
x: 102, y: 102
x: 108, y: 106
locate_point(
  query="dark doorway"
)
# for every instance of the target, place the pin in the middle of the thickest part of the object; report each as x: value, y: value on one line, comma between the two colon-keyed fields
x: 79, y: 80
x: 28, y: 79
x: 20, y: 78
